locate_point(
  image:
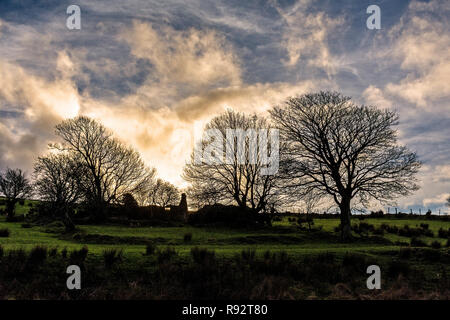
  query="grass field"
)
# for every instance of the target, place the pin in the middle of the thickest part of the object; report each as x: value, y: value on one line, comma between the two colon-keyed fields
x: 289, y: 263
x: 283, y: 235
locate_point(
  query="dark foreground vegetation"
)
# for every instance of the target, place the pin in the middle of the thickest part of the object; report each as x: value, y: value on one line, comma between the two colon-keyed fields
x: 412, y: 273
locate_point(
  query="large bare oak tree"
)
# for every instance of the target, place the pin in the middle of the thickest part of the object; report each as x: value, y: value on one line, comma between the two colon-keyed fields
x: 343, y: 150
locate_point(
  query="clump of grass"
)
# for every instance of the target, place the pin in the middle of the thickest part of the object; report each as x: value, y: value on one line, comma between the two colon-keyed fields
x: 150, y: 249
x: 436, y: 244
x: 354, y: 260
x: 17, y: 254
x: 166, y: 254
x: 112, y: 256
x: 397, y: 267
x: 202, y: 255
x: 79, y: 256
x: 4, y: 233
x: 248, y: 255
x: 187, y: 237
x: 64, y: 253
x: 53, y: 252
x: 267, y: 255
x: 405, y: 253
x: 37, y: 255
x: 415, y: 242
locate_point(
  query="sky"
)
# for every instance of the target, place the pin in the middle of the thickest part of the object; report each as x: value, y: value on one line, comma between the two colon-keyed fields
x: 151, y: 71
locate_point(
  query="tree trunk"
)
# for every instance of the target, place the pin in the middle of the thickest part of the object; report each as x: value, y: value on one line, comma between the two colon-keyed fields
x: 68, y: 223
x: 346, y: 233
x: 10, y: 210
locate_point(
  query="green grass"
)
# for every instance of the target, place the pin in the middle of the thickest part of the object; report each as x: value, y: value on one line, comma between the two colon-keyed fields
x: 226, y: 242
x: 283, y: 235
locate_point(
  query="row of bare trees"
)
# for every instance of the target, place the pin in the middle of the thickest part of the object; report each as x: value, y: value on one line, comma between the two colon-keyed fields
x: 330, y: 148
x: 91, y: 166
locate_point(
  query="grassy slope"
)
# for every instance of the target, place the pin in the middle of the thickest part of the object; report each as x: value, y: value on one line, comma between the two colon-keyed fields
x: 226, y: 242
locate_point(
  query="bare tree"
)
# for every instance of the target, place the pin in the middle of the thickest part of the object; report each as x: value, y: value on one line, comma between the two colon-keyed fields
x: 203, y: 193
x: 14, y: 186
x: 337, y: 148
x: 311, y: 201
x: 57, y: 181
x: 237, y: 180
x: 164, y: 193
x: 113, y: 169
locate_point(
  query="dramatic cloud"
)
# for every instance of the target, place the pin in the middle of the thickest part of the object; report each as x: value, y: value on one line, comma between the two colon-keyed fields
x: 306, y: 34
x: 154, y: 71
x: 420, y: 44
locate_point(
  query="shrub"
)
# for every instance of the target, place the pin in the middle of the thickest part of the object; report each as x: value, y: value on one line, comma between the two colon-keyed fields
x: 366, y: 226
x: 442, y: 233
x: 406, y: 231
x: 37, y: 255
x: 1, y: 251
x: 363, y: 227
x: 150, y: 249
x: 378, y: 231
x: 428, y: 233
x: 26, y: 225
x: 424, y: 226
x: 431, y: 255
x: 187, y: 237
x: 389, y: 229
x: 448, y: 243
x: 436, y: 245
x: 4, y: 233
x: 202, y: 255
x: 415, y: 242
x: 112, y: 256
x: 21, y: 202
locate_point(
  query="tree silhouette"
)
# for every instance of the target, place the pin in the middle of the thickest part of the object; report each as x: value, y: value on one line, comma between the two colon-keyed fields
x: 164, y: 193
x: 57, y: 180
x: 113, y: 169
x: 238, y: 180
x: 14, y: 186
x: 346, y: 151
